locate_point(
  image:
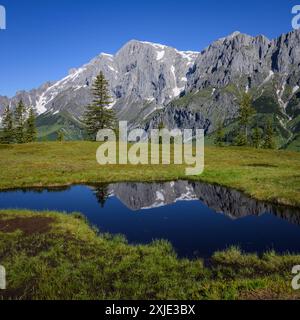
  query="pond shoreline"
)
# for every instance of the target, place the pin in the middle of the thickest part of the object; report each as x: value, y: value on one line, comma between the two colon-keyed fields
x: 65, y: 186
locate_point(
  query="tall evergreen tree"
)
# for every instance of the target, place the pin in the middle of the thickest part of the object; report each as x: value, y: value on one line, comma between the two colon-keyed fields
x: 246, y: 111
x: 256, y: 137
x: 60, y: 136
x: 241, y: 139
x: 98, y: 116
x: 30, y: 127
x: 220, y: 135
x: 7, y: 125
x: 269, y: 140
x: 20, y: 119
x: 161, y: 126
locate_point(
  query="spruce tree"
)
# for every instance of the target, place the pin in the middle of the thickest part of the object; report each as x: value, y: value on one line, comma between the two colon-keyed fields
x: 31, y: 132
x: 60, y: 136
x: 98, y: 116
x: 246, y: 111
x: 269, y: 142
x: 256, y: 137
x: 20, y: 116
x: 161, y: 126
x: 220, y: 135
x: 241, y: 139
x: 7, y: 125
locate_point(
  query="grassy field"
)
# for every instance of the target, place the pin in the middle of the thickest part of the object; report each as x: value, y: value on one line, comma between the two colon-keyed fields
x: 50, y: 255
x: 265, y: 175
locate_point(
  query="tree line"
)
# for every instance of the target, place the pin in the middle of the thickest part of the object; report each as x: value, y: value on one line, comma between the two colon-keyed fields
x: 257, y: 137
x: 99, y: 116
x: 18, y: 126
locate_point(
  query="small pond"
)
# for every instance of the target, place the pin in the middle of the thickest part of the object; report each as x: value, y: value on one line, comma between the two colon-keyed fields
x: 198, y: 219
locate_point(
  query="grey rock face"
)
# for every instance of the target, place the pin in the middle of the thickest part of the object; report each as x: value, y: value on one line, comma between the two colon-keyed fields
x: 197, y: 110
x: 175, y: 117
x: 4, y: 101
x: 286, y: 54
x: 248, y: 61
x: 235, y: 64
x: 228, y: 60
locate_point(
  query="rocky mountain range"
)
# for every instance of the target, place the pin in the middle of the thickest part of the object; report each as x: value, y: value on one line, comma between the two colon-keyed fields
x: 152, y: 84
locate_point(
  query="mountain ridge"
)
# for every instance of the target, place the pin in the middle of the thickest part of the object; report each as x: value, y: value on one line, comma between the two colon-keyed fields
x: 153, y: 83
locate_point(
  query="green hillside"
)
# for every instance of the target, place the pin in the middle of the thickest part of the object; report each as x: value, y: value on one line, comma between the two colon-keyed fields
x: 49, y: 125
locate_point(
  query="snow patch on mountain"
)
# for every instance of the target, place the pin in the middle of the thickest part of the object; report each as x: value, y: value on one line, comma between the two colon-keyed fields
x: 280, y: 93
x: 176, y: 90
x: 269, y: 77
x: 113, y: 69
x: 188, y: 55
x: 40, y: 104
x: 160, y: 55
x: 155, y: 45
x: 295, y: 89
x: 109, y: 56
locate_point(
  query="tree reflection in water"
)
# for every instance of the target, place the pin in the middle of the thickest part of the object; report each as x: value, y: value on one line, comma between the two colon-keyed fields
x: 102, y: 194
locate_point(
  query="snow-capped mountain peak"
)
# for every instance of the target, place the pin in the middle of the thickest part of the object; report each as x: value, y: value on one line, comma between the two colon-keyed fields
x: 140, y: 73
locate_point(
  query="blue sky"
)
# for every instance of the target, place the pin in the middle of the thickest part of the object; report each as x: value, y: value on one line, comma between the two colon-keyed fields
x: 46, y: 38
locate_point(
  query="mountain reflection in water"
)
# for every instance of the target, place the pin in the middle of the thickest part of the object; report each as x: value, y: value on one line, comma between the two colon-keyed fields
x: 232, y: 203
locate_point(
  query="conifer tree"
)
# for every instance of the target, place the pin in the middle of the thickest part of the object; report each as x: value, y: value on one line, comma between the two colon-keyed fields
x: 246, y: 111
x: 161, y: 126
x: 7, y: 125
x: 256, y: 137
x: 220, y: 135
x: 269, y: 142
x: 241, y: 139
x: 98, y: 116
x: 60, y: 136
x: 20, y: 116
x: 30, y: 127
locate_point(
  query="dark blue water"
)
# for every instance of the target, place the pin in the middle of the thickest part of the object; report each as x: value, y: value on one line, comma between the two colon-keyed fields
x: 191, y: 226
